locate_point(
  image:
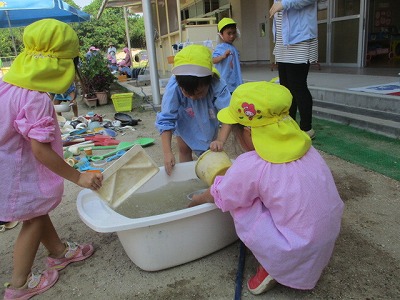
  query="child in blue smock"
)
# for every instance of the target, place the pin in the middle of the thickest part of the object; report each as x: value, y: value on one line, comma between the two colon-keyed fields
x: 192, y: 99
x: 226, y: 56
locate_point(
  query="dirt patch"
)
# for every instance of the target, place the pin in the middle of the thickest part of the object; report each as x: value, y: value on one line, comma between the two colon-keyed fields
x: 351, y: 187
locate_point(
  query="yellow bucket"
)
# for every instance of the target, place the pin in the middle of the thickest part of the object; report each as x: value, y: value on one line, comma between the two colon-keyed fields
x: 211, y: 164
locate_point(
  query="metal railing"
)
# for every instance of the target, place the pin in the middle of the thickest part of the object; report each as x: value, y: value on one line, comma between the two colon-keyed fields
x: 6, y: 61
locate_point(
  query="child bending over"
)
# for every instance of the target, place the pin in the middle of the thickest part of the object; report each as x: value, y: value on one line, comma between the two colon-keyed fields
x: 192, y: 99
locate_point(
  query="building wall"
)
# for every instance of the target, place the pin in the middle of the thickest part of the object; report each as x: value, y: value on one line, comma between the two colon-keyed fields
x: 253, y: 47
x: 256, y: 31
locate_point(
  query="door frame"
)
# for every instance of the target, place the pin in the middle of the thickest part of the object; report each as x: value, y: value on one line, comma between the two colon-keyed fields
x: 331, y: 19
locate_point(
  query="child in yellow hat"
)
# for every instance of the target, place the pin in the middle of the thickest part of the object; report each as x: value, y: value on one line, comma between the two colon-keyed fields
x: 280, y: 193
x: 191, y: 101
x: 31, y: 148
x: 226, y: 56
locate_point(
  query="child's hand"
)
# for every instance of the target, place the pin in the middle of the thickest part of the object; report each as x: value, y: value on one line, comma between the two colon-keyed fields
x: 216, y: 146
x: 198, y: 199
x: 277, y: 6
x: 227, y: 53
x: 169, y: 162
x: 218, y: 59
x: 90, y: 180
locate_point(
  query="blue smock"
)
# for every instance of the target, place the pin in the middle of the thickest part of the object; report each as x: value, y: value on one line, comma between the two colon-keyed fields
x: 229, y: 68
x: 195, y: 121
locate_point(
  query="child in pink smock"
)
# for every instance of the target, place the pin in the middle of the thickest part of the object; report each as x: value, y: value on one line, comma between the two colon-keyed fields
x: 31, y: 150
x: 280, y: 193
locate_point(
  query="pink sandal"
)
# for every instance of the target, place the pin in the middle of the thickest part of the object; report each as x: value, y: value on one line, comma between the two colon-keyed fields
x: 36, y: 284
x: 73, y: 253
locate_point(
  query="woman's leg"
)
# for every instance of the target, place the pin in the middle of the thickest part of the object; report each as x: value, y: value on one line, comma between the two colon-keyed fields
x: 33, y: 232
x: 185, y: 153
x: 283, y: 80
x: 296, y: 76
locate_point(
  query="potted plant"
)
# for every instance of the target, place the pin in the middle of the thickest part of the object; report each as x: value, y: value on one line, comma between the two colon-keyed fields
x: 96, y: 77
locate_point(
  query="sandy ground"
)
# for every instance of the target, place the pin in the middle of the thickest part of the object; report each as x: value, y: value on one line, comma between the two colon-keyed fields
x: 365, y: 263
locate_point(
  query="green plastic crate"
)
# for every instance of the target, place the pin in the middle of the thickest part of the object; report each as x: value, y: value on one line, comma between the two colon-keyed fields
x: 122, y: 102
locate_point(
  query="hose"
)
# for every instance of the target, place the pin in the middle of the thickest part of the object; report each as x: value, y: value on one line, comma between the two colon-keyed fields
x: 239, y: 273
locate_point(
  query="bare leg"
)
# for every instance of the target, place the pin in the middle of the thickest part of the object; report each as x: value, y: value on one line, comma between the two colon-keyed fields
x: 74, y: 106
x: 33, y: 232
x: 185, y: 153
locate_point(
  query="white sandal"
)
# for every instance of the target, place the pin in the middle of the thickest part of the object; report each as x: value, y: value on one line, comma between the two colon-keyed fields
x: 9, y: 225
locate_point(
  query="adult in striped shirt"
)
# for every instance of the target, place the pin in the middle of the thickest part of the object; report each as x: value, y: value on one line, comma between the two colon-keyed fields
x: 296, y: 47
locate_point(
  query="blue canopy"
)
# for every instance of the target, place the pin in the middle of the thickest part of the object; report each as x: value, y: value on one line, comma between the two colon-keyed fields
x: 24, y: 12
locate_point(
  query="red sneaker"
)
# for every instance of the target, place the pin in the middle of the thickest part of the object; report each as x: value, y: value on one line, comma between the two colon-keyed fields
x: 261, y: 282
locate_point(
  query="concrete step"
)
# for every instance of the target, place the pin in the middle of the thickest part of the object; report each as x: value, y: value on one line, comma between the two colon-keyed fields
x: 371, y: 101
x: 383, y: 115
x: 372, y: 112
x: 377, y: 125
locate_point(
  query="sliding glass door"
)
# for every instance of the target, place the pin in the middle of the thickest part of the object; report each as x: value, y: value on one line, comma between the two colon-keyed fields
x: 341, y: 32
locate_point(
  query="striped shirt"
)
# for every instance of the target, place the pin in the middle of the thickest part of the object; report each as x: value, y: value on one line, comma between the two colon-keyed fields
x: 300, y: 53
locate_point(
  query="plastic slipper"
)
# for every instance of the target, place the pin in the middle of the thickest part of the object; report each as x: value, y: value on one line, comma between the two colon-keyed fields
x: 7, y: 226
x: 126, y: 119
x: 73, y: 253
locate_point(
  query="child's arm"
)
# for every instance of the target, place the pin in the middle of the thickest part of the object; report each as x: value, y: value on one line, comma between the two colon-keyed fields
x: 48, y: 157
x: 169, y: 158
x: 198, y: 199
x: 218, y: 144
x: 218, y: 59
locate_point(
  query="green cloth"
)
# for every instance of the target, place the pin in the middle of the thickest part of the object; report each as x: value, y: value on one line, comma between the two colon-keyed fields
x: 372, y: 151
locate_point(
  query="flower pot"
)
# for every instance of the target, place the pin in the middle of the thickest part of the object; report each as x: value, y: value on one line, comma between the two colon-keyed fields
x: 91, y: 102
x: 122, y: 78
x: 102, y: 97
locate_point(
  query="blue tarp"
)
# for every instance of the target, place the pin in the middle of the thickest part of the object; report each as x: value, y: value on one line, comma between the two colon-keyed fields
x: 24, y: 12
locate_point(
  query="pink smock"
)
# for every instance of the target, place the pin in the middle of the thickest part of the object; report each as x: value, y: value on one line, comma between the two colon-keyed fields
x: 288, y: 215
x: 28, y: 188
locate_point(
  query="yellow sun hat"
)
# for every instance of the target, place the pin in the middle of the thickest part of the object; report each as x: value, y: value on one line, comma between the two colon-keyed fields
x: 224, y: 22
x: 194, y: 60
x: 46, y: 64
x: 264, y: 106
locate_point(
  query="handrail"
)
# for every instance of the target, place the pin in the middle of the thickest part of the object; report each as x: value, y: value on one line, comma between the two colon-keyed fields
x: 6, y: 61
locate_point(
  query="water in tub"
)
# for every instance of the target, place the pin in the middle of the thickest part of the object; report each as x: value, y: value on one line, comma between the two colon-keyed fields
x: 168, y: 198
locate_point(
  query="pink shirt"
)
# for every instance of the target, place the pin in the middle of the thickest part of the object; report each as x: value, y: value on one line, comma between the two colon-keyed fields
x: 288, y: 214
x: 28, y: 188
x: 126, y: 62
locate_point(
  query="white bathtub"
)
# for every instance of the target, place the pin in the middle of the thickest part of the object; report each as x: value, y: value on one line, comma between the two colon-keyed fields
x: 166, y: 240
